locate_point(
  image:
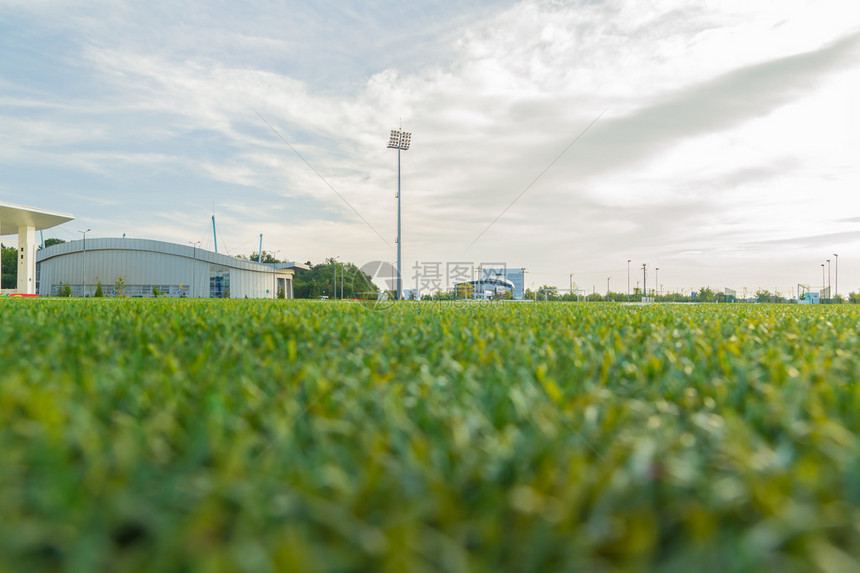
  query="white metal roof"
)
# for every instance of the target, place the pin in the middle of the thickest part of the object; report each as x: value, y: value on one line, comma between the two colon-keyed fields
x: 14, y: 216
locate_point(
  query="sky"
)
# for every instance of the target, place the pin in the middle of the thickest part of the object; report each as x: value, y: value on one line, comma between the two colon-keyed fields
x: 716, y: 141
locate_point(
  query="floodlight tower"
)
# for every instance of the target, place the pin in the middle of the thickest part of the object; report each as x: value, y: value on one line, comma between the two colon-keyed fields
x: 400, y: 141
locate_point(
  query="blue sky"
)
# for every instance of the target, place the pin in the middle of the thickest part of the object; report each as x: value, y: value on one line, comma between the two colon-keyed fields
x: 725, y: 153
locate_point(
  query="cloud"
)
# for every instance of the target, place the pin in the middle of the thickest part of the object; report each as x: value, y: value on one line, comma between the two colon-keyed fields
x: 696, y: 151
x: 826, y: 241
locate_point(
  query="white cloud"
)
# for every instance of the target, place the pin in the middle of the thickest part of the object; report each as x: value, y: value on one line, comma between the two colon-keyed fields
x: 725, y: 126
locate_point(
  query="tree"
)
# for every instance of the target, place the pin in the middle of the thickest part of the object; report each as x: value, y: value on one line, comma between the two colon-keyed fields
x: 52, y: 242
x: 762, y: 295
x: 503, y: 295
x: 64, y: 290
x: 320, y: 280
x: 99, y: 292
x: 547, y: 292
x: 119, y: 286
x: 9, y: 263
x: 706, y: 295
x: 443, y: 295
x: 268, y: 258
x: 464, y: 290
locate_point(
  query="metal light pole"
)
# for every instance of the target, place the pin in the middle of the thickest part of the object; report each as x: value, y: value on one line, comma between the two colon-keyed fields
x: 399, y: 140
x: 84, y: 264
x: 334, y: 280
x: 628, y: 280
x: 828, y: 278
x: 656, y: 281
x: 607, y: 287
x: 194, y: 268
x: 835, y: 256
x: 823, y: 284
x: 275, y: 277
x: 644, y: 282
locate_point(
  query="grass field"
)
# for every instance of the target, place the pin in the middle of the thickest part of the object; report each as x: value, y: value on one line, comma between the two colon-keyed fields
x: 194, y: 435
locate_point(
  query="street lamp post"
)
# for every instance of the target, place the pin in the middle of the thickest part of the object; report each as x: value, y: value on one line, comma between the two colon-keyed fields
x: 823, y: 283
x: 644, y: 282
x: 607, y: 287
x: 399, y: 140
x: 275, y: 276
x: 194, y: 268
x: 836, y: 257
x: 334, y: 279
x: 628, y: 280
x: 828, y: 279
x: 656, y: 281
x: 84, y: 264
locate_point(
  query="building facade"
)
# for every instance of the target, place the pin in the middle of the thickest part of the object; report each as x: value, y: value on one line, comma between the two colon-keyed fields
x: 514, y: 275
x: 145, y: 268
x: 484, y: 289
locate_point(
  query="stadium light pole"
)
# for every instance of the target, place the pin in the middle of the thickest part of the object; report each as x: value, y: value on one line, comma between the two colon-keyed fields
x: 823, y: 283
x: 828, y: 278
x: 399, y: 140
x: 836, y: 257
x: 84, y: 265
x: 656, y: 280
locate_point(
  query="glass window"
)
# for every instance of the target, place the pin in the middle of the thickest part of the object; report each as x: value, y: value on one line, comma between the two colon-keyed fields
x: 219, y: 282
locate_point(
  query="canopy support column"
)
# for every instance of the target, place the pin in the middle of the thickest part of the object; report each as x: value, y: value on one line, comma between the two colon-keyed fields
x: 26, y: 259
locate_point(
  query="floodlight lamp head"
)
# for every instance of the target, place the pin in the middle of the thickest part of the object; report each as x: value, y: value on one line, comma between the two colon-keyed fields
x: 399, y: 139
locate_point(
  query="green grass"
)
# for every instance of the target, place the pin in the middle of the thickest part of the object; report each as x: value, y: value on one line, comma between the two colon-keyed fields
x: 188, y: 435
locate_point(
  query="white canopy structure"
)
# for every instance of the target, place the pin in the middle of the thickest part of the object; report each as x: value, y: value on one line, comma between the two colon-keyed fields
x: 26, y: 221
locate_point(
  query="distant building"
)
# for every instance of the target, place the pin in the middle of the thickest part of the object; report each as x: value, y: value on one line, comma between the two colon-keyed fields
x: 515, y: 275
x: 144, y: 265
x: 484, y: 289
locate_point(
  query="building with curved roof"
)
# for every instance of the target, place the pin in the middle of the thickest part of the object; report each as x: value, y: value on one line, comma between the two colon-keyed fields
x: 485, y: 288
x: 142, y: 267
